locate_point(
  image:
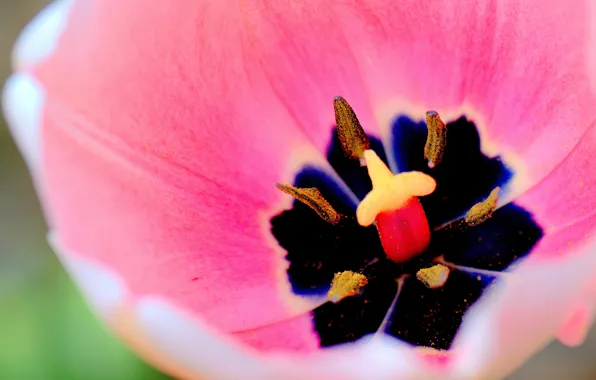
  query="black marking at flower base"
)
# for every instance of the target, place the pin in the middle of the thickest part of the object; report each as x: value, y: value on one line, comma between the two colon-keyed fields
x: 316, y: 250
x: 356, y: 316
x: 464, y: 177
x: 494, y: 244
x: 430, y: 317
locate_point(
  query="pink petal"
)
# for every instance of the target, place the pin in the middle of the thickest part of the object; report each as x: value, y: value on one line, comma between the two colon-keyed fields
x: 165, y: 172
x: 517, y: 67
x: 566, y: 195
x: 295, y: 334
x: 172, y: 232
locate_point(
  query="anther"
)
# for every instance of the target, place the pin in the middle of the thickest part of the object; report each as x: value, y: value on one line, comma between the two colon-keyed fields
x: 436, y: 139
x: 313, y: 198
x: 481, y: 211
x: 346, y: 284
x: 351, y: 135
x: 433, y: 277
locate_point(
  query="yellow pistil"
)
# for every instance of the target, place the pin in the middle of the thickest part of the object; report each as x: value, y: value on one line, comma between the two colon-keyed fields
x: 313, y: 198
x: 346, y: 284
x: 436, y: 139
x: 351, y: 135
x: 481, y: 211
x: 433, y: 277
x: 390, y: 191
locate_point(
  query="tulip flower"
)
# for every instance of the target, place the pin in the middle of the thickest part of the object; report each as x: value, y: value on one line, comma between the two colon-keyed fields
x: 306, y: 189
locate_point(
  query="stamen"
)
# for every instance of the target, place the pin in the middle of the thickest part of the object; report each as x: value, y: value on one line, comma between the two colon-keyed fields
x: 436, y: 139
x: 346, y: 284
x: 313, y: 198
x: 433, y: 277
x: 481, y: 211
x: 351, y: 135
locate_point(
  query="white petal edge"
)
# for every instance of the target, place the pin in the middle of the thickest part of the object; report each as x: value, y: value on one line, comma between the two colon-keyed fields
x: 40, y: 37
x: 109, y: 298
x: 23, y: 100
x: 194, y: 346
x: 524, y: 313
x: 187, y: 348
x: 488, y: 346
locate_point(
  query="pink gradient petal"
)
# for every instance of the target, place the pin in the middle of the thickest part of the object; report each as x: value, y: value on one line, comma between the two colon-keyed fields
x: 308, y: 60
x: 295, y: 334
x: 567, y: 195
x: 175, y: 165
x: 517, y: 67
x: 171, y: 232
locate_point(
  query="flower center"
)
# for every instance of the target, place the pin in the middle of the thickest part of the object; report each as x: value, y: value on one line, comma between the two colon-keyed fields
x: 420, y: 246
x: 393, y: 203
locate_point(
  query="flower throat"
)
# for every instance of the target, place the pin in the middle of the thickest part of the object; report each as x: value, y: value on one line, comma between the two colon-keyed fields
x: 392, y: 205
x: 418, y: 248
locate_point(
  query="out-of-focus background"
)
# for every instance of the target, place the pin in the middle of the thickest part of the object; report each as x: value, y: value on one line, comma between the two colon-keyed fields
x: 46, y: 330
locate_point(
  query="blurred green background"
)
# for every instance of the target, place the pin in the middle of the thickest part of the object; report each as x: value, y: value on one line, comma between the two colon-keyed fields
x: 46, y: 330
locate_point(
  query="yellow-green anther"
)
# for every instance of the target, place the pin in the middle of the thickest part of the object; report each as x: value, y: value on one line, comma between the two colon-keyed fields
x: 436, y: 139
x: 351, y: 135
x: 346, y: 284
x: 481, y: 211
x: 433, y: 277
x: 313, y: 198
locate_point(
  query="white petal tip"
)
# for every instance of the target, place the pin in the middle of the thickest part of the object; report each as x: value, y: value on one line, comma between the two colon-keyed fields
x: 104, y: 290
x: 23, y: 99
x: 40, y: 37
